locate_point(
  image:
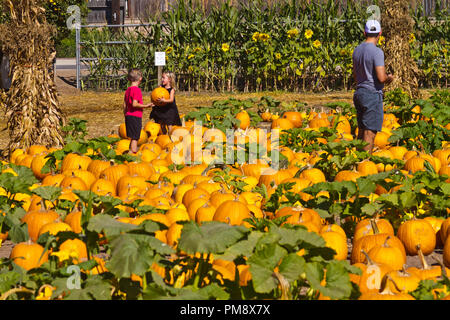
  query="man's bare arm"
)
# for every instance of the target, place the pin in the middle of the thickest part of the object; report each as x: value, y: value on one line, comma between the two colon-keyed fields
x: 382, y: 76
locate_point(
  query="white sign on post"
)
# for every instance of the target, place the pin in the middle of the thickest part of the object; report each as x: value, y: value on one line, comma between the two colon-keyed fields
x: 160, y: 58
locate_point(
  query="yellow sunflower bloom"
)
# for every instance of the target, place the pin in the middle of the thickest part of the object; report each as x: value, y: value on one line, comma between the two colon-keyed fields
x: 264, y: 37
x: 308, y: 34
x: 169, y: 50
x: 317, y: 44
x: 292, y: 33
x: 255, y: 36
x: 225, y: 47
x: 412, y: 38
x: 381, y: 41
x: 277, y: 55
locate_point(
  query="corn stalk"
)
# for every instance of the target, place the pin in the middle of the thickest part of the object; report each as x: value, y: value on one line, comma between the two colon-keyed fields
x: 31, y: 104
x: 397, y: 28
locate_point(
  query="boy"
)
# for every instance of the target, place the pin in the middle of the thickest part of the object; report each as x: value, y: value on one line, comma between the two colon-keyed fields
x: 370, y: 76
x: 132, y: 108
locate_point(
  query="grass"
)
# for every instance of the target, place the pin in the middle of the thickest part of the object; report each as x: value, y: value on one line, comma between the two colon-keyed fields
x: 103, y: 110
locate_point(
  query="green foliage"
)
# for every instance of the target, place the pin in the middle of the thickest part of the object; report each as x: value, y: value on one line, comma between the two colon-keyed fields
x: 222, y: 113
x: 57, y: 15
x: 255, y: 46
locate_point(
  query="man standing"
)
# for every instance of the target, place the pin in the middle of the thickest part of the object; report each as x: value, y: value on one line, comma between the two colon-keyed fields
x: 370, y: 76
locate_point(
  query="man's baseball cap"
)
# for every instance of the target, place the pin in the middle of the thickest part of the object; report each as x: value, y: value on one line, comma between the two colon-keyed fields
x: 372, y: 26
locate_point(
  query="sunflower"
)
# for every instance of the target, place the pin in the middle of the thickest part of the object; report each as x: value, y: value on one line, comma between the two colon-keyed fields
x: 316, y: 44
x: 381, y: 41
x: 169, y: 50
x: 412, y: 38
x: 225, y: 47
x: 255, y: 36
x: 264, y: 37
x: 308, y: 34
x: 277, y: 55
x: 292, y: 33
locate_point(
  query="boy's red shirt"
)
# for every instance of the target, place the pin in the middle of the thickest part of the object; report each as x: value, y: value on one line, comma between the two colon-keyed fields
x: 133, y: 93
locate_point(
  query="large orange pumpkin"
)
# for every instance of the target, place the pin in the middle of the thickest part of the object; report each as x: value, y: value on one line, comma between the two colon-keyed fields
x: 417, y: 232
x: 28, y: 255
x: 232, y: 212
x: 157, y: 93
x: 244, y: 117
x: 35, y: 219
x: 295, y: 117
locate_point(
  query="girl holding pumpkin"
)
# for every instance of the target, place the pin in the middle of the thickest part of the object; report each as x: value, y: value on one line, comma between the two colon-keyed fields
x: 165, y: 111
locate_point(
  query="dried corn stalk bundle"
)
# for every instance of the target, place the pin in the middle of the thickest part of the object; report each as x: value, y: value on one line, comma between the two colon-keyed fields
x: 32, y: 106
x: 397, y: 27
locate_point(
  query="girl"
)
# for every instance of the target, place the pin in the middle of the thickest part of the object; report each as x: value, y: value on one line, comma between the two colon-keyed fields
x: 167, y: 115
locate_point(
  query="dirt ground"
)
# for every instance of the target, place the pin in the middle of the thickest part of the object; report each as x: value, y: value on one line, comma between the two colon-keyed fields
x: 103, y: 111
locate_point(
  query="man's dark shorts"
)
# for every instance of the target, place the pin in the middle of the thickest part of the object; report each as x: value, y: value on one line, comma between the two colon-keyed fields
x: 133, y: 126
x: 369, y: 109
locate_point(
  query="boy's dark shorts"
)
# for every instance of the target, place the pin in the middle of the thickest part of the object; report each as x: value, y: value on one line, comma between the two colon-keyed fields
x: 133, y: 126
x: 369, y: 109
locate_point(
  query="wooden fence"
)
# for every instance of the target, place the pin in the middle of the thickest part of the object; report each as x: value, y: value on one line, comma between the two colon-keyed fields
x: 100, y: 10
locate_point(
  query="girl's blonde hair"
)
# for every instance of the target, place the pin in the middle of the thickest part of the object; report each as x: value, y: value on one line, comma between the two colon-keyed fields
x: 171, y: 77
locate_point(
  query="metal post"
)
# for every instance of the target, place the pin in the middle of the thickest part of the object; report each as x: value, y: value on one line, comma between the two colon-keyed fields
x: 115, y: 12
x: 159, y: 75
x: 77, y: 47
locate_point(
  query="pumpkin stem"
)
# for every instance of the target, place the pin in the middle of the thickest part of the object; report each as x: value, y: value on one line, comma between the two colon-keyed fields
x: 43, y: 205
x: 284, y: 284
x: 444, y: 271
x: 384, y: 288
x: 422, y: 149
x: 14, y: 290
x: 45, y: 286
x: 422, y: 258
x: 369, y: 260
x: 386, y: 244
x: 374, y: 226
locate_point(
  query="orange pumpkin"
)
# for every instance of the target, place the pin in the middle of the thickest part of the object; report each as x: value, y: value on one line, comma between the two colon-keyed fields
x: 295, y: 117
x: 417, y: 232
x: 28, y: 255
x: 77, y: 246
x: 232, y: 212
x: 158, y: 93
x: 388, y: 254
x: 35, y: 219
x: 282, y: 124
x: 244, y: 118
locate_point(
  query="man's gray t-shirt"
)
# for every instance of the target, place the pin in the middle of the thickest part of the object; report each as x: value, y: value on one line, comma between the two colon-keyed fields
x: 366, y: 57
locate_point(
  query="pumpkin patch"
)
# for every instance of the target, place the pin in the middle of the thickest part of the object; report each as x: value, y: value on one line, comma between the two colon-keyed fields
x: 314, y: 198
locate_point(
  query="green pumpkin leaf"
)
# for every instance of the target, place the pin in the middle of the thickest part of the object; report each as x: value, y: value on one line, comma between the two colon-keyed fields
x: 211, y: 237
x: 243, y: 248
x: 108, y: 225
x: 292, y: 267
x: 262, y: 264
x: 9, y: 280
x: 134, y: 254
x: 50, y: 193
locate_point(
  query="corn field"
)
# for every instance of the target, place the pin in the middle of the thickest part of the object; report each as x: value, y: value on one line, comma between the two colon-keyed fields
x: 257, y: 45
